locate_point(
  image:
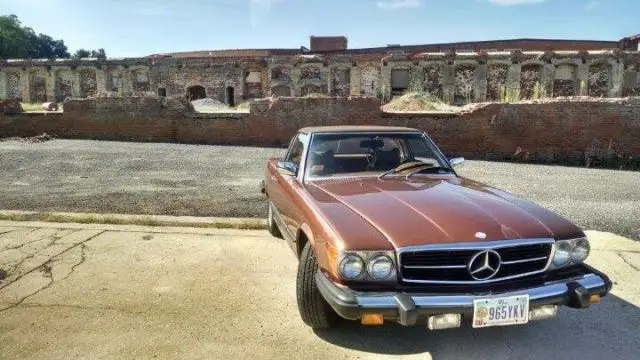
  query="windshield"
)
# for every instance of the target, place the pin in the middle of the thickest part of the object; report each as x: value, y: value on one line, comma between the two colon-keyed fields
x: 369, y: 154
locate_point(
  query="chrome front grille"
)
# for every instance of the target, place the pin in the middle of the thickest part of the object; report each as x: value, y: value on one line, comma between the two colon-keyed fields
x: 449, y: 263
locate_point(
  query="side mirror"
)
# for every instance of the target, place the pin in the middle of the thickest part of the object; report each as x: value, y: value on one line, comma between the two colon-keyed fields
x: 456, y: 161
x: 287, y: 168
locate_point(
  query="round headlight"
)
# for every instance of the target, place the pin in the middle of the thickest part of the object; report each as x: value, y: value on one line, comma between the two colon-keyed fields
x: 563, y: 253
x: 380, y: 267
x: 580, y: 250
x: 351, y: 267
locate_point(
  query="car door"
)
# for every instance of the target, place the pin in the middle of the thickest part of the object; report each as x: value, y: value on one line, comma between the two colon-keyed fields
x: 288, y: 189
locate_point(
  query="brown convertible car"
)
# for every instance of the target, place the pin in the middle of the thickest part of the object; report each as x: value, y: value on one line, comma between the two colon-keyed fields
x: 385, y: 230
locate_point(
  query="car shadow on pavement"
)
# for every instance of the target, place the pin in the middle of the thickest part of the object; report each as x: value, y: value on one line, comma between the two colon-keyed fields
x: 606, y: 330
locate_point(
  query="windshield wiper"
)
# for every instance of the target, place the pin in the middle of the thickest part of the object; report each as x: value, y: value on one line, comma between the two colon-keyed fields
x: 406, y: 166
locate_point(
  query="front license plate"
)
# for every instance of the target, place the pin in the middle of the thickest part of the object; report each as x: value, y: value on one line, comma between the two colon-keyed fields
x: 501, y: 311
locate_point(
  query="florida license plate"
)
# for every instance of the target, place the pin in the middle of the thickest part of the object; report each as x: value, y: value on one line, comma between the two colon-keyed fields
x: 504, y: 311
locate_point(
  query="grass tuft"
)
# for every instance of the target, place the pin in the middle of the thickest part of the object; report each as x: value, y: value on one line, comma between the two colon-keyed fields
x: 90, y: 219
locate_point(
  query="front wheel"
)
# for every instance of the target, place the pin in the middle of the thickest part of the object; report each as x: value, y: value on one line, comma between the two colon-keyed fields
x: 314, y: 309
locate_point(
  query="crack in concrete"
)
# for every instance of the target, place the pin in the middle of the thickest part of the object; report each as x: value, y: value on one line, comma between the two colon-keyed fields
x: 54, y: 237
x: 51, y: 280
x: 81, y: 307
x: 54, y: 256
x: 8, y: 231
x: 628, y: 262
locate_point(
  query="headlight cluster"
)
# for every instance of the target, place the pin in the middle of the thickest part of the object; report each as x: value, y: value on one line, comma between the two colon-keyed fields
x: 570, y: 252
x: 367, y: 265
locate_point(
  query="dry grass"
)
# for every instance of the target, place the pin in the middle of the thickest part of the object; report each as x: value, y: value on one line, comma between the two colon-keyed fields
x: 417, y: 102
x: 32, y: 107
x: 90, y: 219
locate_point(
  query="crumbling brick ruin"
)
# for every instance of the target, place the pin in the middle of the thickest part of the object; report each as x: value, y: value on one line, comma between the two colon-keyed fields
x: 456, y: 73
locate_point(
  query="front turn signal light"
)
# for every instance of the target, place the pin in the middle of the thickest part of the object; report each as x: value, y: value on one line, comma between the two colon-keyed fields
x: 372, y: 319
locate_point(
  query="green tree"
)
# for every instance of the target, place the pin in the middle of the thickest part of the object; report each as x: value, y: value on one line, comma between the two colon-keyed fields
x: 83, y: 53
x: 14, y: 39
x: 17, y: 41
x: 48, y: 48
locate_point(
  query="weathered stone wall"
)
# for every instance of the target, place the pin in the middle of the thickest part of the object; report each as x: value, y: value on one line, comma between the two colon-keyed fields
x: 575, y: 131
x: 453, y: 77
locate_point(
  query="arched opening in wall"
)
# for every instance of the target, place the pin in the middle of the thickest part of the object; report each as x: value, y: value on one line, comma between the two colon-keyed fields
x: 599, y: 75
x: 281, y: 91
x: 13, y: 85
x: 433, y: 81
x: 564, y: 83
x: 399, y: 81
x: 311, y: 73
x: 341, y: 84
x: 141, y: 81
x: 114, y: 81
x: 88, y: 83
x: 465, y: 84
x: 497, y: 83
x: 311, y: 89
x: 162, y: 92
x: 196, y: 92
x: 253, y: 84
x: 631, y: 80
x: 531, y: 82
x: 281, y: 74
x: 231, y: 101
x: 370, y: 82
x: 64, y: 85
x: 38, y: 87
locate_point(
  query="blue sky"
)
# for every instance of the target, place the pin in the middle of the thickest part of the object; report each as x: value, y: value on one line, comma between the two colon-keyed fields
x: 143, y: 27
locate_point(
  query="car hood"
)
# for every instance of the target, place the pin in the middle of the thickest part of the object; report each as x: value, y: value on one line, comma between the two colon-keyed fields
x: 429, y: 210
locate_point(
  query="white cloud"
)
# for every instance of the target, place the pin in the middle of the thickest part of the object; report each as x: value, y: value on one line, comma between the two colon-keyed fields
x: 399, y: 4
x: 591, y: 5
x: 515, y: 2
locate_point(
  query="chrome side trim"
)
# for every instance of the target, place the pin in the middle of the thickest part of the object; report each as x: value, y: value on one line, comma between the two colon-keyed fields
x: 486, y: 245
x: 524, y: 260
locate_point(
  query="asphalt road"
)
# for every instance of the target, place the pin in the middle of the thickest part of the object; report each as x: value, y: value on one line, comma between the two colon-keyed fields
x: 177, y: 179
x: 129, y: 292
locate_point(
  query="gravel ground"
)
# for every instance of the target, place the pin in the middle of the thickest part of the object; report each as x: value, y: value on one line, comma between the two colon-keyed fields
x: 177, y: 179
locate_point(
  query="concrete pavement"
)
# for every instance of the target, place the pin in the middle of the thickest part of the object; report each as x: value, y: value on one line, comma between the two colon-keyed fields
x: 119, y: 292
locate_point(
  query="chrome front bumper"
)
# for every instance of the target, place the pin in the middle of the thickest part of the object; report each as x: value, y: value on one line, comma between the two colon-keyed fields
x: 407, y: 308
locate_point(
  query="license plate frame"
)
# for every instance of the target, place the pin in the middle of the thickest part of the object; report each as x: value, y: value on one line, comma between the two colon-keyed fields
x: 501, y: 311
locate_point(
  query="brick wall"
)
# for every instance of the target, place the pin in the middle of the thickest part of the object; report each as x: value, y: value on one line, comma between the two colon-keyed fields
x: 569, y: 131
